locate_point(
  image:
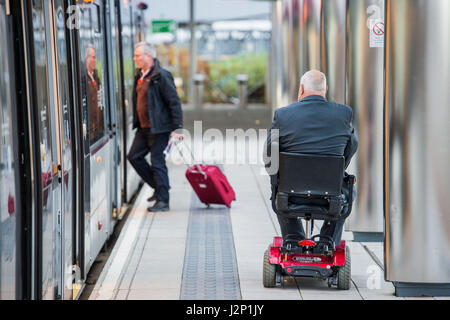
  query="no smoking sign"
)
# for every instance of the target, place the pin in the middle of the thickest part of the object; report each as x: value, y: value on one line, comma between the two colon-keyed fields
x: 376, y: 33
x: 378, y: 29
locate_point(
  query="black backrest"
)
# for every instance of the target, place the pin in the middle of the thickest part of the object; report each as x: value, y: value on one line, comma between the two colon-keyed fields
x: 310, y: 174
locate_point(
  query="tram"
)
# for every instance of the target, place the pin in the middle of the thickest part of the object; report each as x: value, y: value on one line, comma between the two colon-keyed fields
x: 66, y: 80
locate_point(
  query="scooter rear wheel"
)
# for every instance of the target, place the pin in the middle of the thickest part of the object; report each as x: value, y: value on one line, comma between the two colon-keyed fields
x: 269, y: 272
x: 344, y: 274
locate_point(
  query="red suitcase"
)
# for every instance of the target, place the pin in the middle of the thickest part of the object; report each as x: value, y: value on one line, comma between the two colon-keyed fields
x: 210, y: 185
x: 208, y: 181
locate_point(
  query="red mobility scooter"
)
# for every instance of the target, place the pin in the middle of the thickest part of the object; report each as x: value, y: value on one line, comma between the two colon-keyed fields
x: 316, y: 183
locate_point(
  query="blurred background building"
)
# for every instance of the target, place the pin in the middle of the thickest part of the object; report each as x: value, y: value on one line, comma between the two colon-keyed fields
x: 231, y: 38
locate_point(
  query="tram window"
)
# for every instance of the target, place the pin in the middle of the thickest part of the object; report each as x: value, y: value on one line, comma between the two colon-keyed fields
x: 7, y: 169
x: 96, y: 13
x: 94, y: 96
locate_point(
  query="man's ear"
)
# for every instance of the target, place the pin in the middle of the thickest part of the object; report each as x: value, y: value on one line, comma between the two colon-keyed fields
x: 301, y: 91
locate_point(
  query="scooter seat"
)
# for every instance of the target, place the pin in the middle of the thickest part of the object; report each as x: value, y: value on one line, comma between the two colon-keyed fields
x: 318, y: 209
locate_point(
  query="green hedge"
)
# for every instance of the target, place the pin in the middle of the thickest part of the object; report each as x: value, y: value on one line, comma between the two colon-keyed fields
x: 222, y: 84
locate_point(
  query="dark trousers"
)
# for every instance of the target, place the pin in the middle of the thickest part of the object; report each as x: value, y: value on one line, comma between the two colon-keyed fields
x: 294, y: 228
x: 155, y: 175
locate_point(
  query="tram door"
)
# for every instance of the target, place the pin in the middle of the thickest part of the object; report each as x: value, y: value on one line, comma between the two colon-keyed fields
x: 116, y: 99
x: 96, y: 130
x: 127, y: 40
x: 9, y: 201
x: 54, y: 163
x: 63, y: 109
x: 48, y: 213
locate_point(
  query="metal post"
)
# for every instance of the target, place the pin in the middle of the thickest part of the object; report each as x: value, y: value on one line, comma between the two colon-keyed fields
x: 242, y: 90
x: 364, y: 87
x: 417, y: 147
x: 332, y: 51
x: 193, y: 52
x: 307, y: 229
x: 275, y: 54
x: 142, y: 6
x: 198, y: 91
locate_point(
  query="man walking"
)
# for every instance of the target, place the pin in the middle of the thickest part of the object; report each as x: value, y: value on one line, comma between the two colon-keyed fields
x: 157, y: 115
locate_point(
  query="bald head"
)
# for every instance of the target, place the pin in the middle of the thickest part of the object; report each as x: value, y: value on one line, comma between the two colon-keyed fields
x: 313, y: 82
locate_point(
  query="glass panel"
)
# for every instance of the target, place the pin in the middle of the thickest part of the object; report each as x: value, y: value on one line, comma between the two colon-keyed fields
x: 97, y: 19
x: 8, y: 200
x: 100, y: 47
x: 66, y: 140
x: 92, y: 77
x: 128, y: 74
x: 118, y: 95
x: 45, y: 137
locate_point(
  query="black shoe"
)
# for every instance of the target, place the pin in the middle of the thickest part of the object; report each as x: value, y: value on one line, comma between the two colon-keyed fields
x: 159, y: 206
x: 152, y: 198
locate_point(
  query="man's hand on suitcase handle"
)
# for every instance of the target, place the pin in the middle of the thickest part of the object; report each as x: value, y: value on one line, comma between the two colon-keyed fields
x: 177, y: 136
x: 174, y: 138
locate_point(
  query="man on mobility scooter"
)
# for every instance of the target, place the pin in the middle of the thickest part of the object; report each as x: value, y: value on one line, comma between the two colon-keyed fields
x: 309, y: 146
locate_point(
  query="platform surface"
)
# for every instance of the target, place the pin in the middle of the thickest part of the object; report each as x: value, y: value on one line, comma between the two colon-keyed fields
x: 148, y: 259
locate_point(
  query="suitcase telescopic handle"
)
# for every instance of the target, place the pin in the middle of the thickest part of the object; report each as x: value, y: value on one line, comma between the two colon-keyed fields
x: 175, y: 142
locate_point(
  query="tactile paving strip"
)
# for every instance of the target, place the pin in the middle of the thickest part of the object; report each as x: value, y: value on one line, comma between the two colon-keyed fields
x: 210, y: 267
